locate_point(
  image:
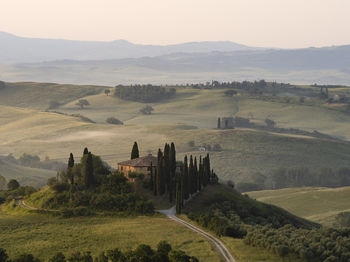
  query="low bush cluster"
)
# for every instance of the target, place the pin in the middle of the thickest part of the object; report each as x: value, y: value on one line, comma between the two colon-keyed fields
x: 324, y: 245
x: 163, y: 253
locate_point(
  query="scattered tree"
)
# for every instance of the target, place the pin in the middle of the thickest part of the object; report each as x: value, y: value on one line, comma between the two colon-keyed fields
x: 107, y: 91
x: 147, y: 110
x: 270, y: 123
x: 82, y: 103
x: 12, y: 184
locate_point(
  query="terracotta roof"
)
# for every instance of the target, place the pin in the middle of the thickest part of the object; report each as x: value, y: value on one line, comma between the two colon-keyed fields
x: 144, y: 161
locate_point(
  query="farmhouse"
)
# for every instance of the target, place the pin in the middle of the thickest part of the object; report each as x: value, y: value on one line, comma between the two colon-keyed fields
x: 138, y: 165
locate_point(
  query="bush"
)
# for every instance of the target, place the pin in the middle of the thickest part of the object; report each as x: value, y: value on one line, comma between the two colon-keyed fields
x: 114, y: 121
x: 270, y: 123
x: 147, y: 110
x: 217, y: 148
x: 12, y: 184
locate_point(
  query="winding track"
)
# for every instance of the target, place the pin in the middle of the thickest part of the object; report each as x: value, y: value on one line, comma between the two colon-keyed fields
x: 171, y: 214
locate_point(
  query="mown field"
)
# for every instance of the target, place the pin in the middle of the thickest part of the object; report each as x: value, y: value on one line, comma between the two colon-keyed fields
x: 191, y: 115
x: 316, y: 204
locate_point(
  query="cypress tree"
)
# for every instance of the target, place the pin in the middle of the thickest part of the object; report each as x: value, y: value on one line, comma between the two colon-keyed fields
x: 195, y: 175
x: 191, y: 175
x: 172, y: 167
x: 87, y: 170
x: 151, y: 182
x: 219, y: 123
x: 86, y: 151
x: 205, y: 172
x: 200, y: 175
x: 167, y: 166
x: 162, y: 177
x: 158, y: 172
x: 208, y: 169
x: 185, y: 179
x: 69, y: 169
x: 135, y: 151
x: 178, y: 195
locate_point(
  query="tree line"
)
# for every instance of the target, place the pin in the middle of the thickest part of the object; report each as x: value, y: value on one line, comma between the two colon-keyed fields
x: 297, y: 177
x: 143, y: 93
x: 324, y: 244
x: 163, y: 253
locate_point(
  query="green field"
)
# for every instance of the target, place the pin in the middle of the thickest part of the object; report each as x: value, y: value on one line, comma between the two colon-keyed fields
x: 190, y: 115
x: 317, y: 204
x: 43, y: 236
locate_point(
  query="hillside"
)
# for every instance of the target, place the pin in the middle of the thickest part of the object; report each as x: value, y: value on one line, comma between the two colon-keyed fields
x: 39, y: 95
x: 191, y: 115
x: 25, y: 175
x: 317, y: 204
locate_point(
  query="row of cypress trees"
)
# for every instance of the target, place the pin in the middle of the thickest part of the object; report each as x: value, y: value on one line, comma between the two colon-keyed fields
x: 192, y: 179
x: 163, y: 181
x: 180, y: 180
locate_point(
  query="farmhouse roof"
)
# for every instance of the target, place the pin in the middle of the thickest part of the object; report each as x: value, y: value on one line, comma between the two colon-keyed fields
x: 144, y: 161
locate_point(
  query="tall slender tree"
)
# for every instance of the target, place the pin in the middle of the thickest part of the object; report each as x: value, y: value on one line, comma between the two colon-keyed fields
x: 151, y: 180
x: 191, y: 175
x: 200, y: 174
x: 135, y: 151
x: 87, y: 170
x: 69, y: 169
x: 185, y: 179
x: 219, y: 123
x: 172, y: 167
x: 86, y: 151
x: 178, y: 195
x: 166, y: 166
x: 196, y: 180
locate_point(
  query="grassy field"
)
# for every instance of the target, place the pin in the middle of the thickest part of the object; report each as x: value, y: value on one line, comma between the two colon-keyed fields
x: 317, y: 204
x: 43, y: 235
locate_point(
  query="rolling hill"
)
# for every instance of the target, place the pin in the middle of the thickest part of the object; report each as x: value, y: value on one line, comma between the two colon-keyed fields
x: 317, y: 204
x: 190, y: 115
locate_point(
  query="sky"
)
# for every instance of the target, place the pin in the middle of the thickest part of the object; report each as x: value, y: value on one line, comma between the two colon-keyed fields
x: 265, y: 23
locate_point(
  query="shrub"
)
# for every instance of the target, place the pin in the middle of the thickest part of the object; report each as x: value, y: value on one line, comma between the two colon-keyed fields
x: 217, y: 148
x: 114, y: 121
x: 12, y: 184
x: 147, y: 110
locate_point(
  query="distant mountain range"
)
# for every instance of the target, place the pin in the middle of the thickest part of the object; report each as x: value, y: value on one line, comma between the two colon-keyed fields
x: 15, y: 49
x: 110, y: 63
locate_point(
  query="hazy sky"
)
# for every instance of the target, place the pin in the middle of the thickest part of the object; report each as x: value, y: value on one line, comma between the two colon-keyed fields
x: 272, y: 23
